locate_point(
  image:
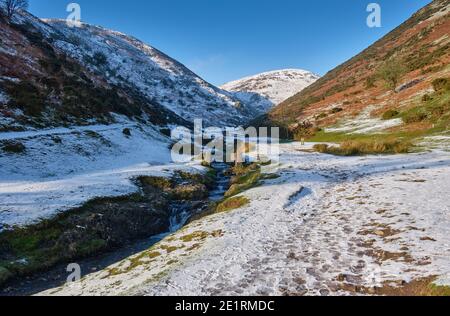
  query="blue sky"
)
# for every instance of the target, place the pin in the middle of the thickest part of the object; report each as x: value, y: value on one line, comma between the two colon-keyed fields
x: 223, y: 40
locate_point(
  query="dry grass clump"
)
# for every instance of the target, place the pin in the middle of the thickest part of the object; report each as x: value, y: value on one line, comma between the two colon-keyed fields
x: 390, y: 114
x: 232, y: 204
x: 157, y: 182
x: 13, y: 147
x: 415, y: 288
x: 366, y: 147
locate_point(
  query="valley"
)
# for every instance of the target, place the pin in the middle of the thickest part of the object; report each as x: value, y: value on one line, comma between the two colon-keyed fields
x: 352, y: 200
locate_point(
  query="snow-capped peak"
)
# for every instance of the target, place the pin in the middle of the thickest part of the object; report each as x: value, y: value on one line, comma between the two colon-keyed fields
x: 275, y: 86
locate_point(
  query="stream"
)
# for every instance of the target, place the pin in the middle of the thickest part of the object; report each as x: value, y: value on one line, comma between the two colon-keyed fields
x: 57, y: 276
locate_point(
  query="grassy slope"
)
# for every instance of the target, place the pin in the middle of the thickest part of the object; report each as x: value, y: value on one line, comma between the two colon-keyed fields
x: 421, y: 44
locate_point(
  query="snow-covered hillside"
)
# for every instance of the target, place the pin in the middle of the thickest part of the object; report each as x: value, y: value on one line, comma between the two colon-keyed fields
x: 61, y: 168
x: 125, y: 60
x: 42, y: 87
x: 272, y: 87
x: 106, y: 60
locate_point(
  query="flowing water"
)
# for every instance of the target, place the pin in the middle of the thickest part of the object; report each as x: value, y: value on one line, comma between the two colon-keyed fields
x: 180, y: 215
x: 222, y: 181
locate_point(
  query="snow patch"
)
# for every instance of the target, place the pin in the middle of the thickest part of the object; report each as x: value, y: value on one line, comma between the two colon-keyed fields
x: 6, y: 78
x: 4, y: 99
x: 364, y: 124
x: 63, y: 168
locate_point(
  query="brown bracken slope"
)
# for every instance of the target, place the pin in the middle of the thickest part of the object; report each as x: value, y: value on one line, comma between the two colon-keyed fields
x: 418, y: 50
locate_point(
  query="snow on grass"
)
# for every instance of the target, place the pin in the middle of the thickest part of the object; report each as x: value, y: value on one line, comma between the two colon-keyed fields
x: 62, y: 168
x: 436, y: 142
x: 364, y: 124
x: 6, y: 78
x: 3, y: 98
x: 326, y: 222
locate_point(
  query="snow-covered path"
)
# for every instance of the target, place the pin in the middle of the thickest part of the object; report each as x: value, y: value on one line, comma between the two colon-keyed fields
x: 327, y: 224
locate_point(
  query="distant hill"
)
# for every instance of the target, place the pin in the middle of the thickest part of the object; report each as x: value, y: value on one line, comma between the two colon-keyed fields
x: 271, y: 87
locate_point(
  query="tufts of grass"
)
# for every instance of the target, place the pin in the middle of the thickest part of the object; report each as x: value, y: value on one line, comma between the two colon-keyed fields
x: 198, y: 178
x: 170, y: 249
x: 189, y: 192
x: 336, y: 110
x: 390, y: 114
x: 232, y: 204
x: 92, y: 134
x: 243, y: 183
x: 5, y: 274
x: 414, y: 116
x: 126, y: 132
x: 246, y: 177
x: 157, y: 182
x: 434, y: 109
x: 243, y: 169
x: 415, y: 288
x: 206, y: 164
x: 135, y: 262
x: 13, y: 147
x: 436, y: 290
x: 321, y: 148
x: 198, y: 235
x: 359, y: 148
x: 270, y: 176
x: 441, y: 84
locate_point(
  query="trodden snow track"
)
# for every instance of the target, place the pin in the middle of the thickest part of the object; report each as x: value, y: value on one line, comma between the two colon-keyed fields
x: 326, y: 222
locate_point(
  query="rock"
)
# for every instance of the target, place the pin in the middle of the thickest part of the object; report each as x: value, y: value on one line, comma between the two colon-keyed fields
x: 353, y: 279
x: 408, y: 85
x: 5, y: 274
x: 126, y: 132
x: 324, y: 292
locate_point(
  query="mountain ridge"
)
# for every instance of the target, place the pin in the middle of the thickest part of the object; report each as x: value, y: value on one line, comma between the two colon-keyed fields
x: 121, y: 66
x: 159, y: 76
x: 273, y: 86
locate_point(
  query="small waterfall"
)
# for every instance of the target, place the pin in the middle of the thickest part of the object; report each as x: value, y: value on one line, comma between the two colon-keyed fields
x: 180, y: 211
x: 179, y: 216
x: 222, y: 182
